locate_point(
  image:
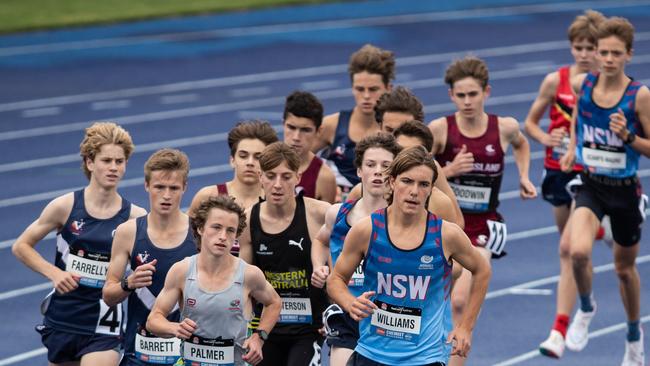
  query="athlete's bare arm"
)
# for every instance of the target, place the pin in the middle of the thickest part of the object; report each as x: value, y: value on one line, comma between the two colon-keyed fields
x: 52, y: 218
x: 510, y: 134
x: 355, y: 193
x: 123, y: 242
x: 263, y: 293
x: 326, y: 185
x: 457, y: 246
x: 327, y: 131
x: 354, y: 250
x: 169, y: 296
x: 320, y: 251
x: 442, y: 185
x: 136, y: 211
x: 618, y: 122
x: 245, y: 245
x: 200, y: 196
x: 441, y: 205
x: 544, y: 99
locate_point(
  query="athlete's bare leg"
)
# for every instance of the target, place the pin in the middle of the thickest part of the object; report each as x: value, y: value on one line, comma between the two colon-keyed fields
x: 104, y: 358
x: 566, y: 286
x: 584, y: 225
x: 339, y: 356
x: 628, y: 278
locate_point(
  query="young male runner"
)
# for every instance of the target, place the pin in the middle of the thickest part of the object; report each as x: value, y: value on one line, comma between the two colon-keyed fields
x: 78, y: 326
x: 371, y: 72
x: 246, y: 141
x: 303, y: 115
x: 607, y: 137
x: 143, y: 251
x: 373, y: 155
x: 278, y: 239
x: 557, y: 95
x: 470, y: 145
x: 404, y: 313
x: 214, y: 290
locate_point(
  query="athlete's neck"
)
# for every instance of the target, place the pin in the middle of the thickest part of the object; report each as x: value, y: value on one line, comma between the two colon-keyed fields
x: 243, y: 191
x: 370, y: 204
x: 404, y: 220
x: 612, y: 83
x: 166, y: 222
x: 365, y: 120
x: 477, y: 121
x: 305, y: 160
x: 215, y: 265
x: 280, y: 211
x: 99, y: 198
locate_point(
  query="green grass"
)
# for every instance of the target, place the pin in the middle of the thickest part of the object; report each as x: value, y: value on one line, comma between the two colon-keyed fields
x: 25, y: 15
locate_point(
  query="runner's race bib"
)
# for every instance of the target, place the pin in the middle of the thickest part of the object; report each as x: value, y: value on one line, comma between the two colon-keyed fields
x: 604, y: 158
x: 295, y: 310
x: 472, y: 197
x: 152, y: 349
x: 209, y: 352
x: 559, y: 151
x: 357, y: 277
x: 90, y: 267
x: 498, y: 234
x: 110, y: 319
x: 397, y: 322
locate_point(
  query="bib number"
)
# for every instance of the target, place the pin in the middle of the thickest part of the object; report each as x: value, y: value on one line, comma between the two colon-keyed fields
x: 498, y: 235
x: 397, y: 322
x: 357, y: 277
x: 209, y: 352
x: 295, y: 310
x: 110, y: 319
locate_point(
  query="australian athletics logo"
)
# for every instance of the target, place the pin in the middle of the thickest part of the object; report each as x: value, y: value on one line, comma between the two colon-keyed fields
x: 426, y: 262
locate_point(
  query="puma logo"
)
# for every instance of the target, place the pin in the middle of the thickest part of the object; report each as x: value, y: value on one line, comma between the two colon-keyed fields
x: 296, y: 243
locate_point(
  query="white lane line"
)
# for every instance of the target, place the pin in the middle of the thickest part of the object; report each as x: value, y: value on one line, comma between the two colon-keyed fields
x: 257, y: 91
x: 592, y: 335
x: 23, y: 356
x: 179, y: 98
x: 287, y: 74
x: 110, y: 104
x: 40, y: 112
x: 8, y: 243
x: 25, y: 290
x: 319, y: 85
x: 313, y: 26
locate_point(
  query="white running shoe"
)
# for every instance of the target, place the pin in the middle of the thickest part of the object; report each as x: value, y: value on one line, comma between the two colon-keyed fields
x: 553, y: 346
x: 577, y: 336
x: 608, y: 238
x: 634, y: 355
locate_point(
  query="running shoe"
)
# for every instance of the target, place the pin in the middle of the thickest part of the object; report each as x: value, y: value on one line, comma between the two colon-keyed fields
x: 553, y: 346
x: 577, y: 336
x: 634, y: 355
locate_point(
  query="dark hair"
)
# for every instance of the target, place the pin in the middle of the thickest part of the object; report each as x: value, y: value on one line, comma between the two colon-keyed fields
x: 304, y: 105
x: 407, y: 159
x: 222, y: 202
x: 254, y: 129
x: 469, y: 66
x: 167, y: 160
x: 274, y: 154
x: 381, y: 140
x: 400, y: 100
x: 416, y: 129
x: 373, y: 60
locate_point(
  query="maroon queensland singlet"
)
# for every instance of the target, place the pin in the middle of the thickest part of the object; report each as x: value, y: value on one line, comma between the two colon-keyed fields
x: 477, y: 191
x: 307, y: 184
x: 222, y: 190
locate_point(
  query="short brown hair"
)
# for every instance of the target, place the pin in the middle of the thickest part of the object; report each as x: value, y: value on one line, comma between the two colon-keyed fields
x: 373, y: 60
x: 100, y: 134
x: 400, y: 100
x: 274, y: 154
x: 168, y: 160
x: 226, y: 203
x: 618, y: 27
x: 416, y: 129
x: 253, y: 129
x: 407, y: 159
x: 469, y: 66
x: 585, y: 26
x: 380, y: 140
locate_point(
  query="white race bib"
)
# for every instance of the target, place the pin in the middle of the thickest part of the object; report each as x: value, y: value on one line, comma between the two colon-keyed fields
x: 295, y: 310
x: 208, y: 352
x: 357, y: 277
x: 396, y: 321
x: 603, y: 159
x: 90, y: 267
x: 110, y: 319
x: 498, y: 235
x: 470, y: 197
x: 152, y: 349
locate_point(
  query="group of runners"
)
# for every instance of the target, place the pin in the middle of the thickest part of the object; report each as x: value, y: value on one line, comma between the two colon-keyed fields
x: 366, y: 229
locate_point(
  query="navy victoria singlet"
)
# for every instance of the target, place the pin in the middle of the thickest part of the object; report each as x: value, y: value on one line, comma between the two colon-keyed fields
x: 341, y: 154
x: 478, y: 190
x: 139, y: 343
x: 413, y: 316
x: 83, y: 248
x: 285, y: 259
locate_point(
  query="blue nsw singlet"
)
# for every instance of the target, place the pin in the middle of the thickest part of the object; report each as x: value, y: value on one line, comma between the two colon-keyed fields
x: 341, y: 154
x: 339, y: 232
x: 413, y: 315
x: 138, y: 343
x: 598, y: 149
x: 83, y: 248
